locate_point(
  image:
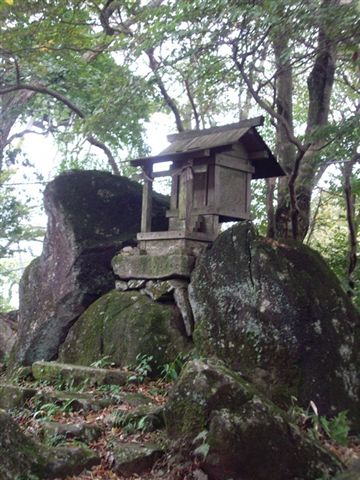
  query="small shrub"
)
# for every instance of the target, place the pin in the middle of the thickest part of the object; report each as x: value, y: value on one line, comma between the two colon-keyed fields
x: 129, y: 423
x: 142, y: 369
x: 172, y: 370
x: 49, y: 410
x: 103, y: 362
x: 337, y: 428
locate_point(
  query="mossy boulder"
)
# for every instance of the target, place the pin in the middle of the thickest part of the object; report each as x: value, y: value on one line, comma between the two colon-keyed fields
x: 22, y: 457
x: 254, y: 443
x: 275, y: 312
x: 203, y: 387
x: 236, y: 432
x: 122, y: 325
x: 91, y: 215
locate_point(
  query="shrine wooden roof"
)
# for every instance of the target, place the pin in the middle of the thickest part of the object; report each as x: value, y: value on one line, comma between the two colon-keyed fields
x: 196, y: 144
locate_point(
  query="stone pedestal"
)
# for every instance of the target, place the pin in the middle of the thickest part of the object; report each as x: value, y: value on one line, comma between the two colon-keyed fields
x: 162, y: 277
x: 174, y: 241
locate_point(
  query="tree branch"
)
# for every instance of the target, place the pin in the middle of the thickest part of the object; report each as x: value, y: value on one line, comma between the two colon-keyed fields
x: 74, y: 108
x: 22, y: 134
x: 263, y: 104
x: 192, y: 103
x: 124, y: 28
x: 154, y: 65
x: 44, y: 90
x: 106, y: 150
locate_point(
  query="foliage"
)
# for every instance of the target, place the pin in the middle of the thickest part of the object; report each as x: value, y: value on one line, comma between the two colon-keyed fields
x: 13, y: 215
x: 49, y: 410
x: 56, y: 46
x: 103, y: 362
x: 329, y: 234
x: 14, y: 232
x: 131, y: 423
x: 335, y: 429
x: 202, y: 447
x: 142, y: 368
x: 171, y: 371
x: 113, y: 391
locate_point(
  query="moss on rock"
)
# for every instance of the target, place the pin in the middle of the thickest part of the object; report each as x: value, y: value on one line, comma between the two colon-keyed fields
x: 236, y: 431
x: 254, y: 443
x: 274, y: 311
x: 153, y: 266
x: 55, y: 372
x: 22, y: 457
x: 122, y: 325
x: 14, y: 396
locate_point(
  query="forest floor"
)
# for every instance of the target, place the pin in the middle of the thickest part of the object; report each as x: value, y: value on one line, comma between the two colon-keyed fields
x: 174, y: 464
x: 32, y: 416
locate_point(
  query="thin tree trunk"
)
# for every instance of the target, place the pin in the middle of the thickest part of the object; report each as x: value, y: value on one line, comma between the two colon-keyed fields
x: 285, y: 149
x: 347, y: 170
x: 270, y: 190
x: 169, y: 101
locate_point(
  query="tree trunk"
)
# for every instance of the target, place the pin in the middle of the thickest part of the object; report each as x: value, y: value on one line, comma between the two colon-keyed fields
x: 347, y: 170
x: 270, y: 190
x: 285, y: 149
x: 296, y: 216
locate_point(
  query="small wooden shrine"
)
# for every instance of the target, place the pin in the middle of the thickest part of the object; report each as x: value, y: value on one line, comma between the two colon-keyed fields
x: 211, y: 172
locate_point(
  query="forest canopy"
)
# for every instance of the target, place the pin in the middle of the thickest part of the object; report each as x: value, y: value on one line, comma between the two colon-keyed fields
x: 94, y: 72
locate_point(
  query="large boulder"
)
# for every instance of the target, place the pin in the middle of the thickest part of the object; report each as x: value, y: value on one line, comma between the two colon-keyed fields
x: 123, y: 325
x: 22, y: 457
x: 274, y: 311
x: 8, y: 330
x: 236, y: 432
x: 91, y: 215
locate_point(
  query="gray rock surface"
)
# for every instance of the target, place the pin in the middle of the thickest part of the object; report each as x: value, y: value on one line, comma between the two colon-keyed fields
x: 135, y: 458
x: 153, y: 267
x: 236, y: 432
x: 14, y: 396
x: 91, y: 215
x: 274, y: 311
x: 81, y: 431
x: 8, y: 331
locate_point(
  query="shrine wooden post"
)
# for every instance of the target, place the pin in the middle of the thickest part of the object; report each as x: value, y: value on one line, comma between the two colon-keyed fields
x: 146, y: 200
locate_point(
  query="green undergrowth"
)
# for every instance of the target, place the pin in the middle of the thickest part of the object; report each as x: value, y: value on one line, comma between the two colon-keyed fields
x: 335, y: 429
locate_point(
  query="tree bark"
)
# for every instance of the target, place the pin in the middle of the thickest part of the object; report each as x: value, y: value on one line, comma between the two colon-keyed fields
x: 270, y: 190
x: 12, y: 104
x: 293, y: 212
x: 285, y: 148
x: 347, y: 170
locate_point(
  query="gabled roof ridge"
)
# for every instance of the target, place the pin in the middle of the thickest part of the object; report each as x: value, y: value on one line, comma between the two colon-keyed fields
x: 188, y: 134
